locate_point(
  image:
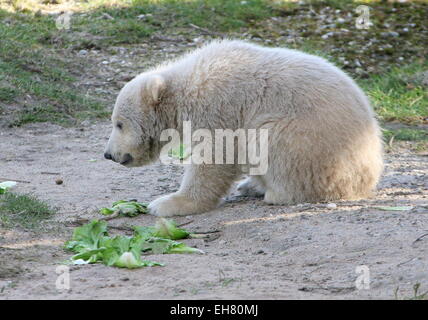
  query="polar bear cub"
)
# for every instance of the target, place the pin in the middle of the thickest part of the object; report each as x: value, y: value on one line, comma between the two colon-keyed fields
x: 324, y: 142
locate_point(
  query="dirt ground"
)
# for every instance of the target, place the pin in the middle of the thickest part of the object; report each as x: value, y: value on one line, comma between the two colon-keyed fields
x: 260, y: 252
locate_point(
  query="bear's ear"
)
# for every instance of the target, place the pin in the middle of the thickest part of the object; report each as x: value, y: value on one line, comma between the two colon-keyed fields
x: 154, y: 89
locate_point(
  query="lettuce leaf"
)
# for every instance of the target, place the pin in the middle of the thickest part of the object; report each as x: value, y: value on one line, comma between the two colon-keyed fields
x: 399, y: 208
x: 125, y: 252
x: 126, y: 208
x: 164, y: 228
x: 6, y: 185
x: 87, y: 237
x: 168, y: 229
x: 88, y: 241
x: 163, y: 246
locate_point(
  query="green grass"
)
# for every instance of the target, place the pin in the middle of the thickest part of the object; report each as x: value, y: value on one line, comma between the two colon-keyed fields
x: 406, y: 134
x: 8, y: 94
x: 39, y: 65
x: 417, y: 137
x: 23, y: 210
x: 417, y: 295
x: 395, y: 97
x: 36, y: 78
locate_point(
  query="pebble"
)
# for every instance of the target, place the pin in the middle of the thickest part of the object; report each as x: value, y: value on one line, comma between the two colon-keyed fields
x: 390, y: 34
x: 106, y: 16
x: 144, y: 16
x: 327, y: 35
x: 331, y: 206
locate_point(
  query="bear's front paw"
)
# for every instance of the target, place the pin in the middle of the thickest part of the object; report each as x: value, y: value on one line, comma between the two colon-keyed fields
x: 174, y: 205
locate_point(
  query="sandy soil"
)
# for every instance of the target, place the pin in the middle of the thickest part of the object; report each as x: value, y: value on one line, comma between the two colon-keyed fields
x: 260, y: 252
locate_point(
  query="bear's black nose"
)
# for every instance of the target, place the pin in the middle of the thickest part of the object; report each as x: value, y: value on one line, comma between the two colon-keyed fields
x: 107, y: 156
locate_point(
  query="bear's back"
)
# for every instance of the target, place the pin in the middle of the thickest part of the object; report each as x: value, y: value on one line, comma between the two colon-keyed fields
x: 242, y: 78
x: 238, y: 58
x: 234, y: 68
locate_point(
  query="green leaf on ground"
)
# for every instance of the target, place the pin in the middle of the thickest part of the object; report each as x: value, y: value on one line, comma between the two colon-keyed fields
x: 402, y: 208
x: 126, y: 208
x: 91, y: 244
x: 6, y: 185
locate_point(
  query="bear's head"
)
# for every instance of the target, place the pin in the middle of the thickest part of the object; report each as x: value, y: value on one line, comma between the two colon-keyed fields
x: 137, y: 123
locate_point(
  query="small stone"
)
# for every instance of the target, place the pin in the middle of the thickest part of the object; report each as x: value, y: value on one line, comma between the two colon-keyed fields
x: 327, y: 35
x: 106, y: 16
x: 59, y: 181
x: 331, y: 206
x: 390, y: 34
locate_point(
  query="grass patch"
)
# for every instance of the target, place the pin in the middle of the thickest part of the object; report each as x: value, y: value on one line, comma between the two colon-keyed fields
x: 417, y: 294
x: 36, y: 77
x: 8, y: 94
x: 39, y: 64
x: 406, y: 134
x: 23, y: 210
x: 396, y: 97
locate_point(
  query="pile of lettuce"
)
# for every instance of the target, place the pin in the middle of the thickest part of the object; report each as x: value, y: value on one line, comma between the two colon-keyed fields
x: 92, y: 244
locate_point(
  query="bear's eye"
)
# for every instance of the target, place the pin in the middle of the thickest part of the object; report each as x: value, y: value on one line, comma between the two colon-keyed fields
x: 119, y: 125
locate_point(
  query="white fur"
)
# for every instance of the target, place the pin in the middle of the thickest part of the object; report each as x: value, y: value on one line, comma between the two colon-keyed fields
x: 324, y: 141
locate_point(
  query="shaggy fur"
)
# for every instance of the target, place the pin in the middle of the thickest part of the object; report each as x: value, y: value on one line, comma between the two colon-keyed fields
x: 324, y: 141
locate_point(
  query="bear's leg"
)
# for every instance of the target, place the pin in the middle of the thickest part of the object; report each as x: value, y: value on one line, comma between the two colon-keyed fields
x: 200, y: 191
x: 273, y: 196
x: 288, y: 184
x: 253, y: 186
